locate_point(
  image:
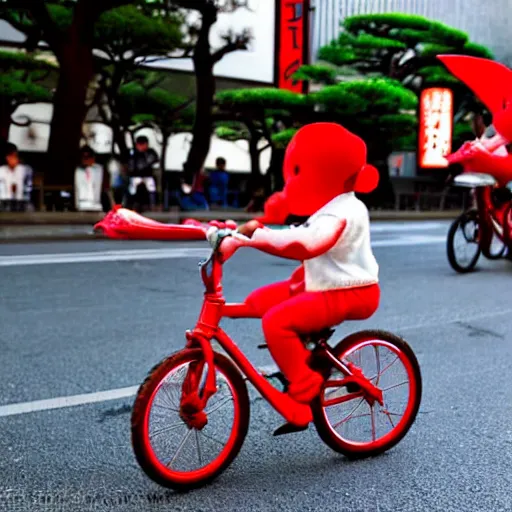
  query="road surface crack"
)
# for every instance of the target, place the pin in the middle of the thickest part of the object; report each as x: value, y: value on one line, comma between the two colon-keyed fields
x: 479, y: 331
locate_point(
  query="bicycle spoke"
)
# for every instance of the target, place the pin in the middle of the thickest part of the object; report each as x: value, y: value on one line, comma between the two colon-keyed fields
x: 166, y: 407
x: 198, y: 448
x: 174, y: 426
x: 165, y: 392
x: 349, y: 415
x: 377, y: 360
x: 388, y: 415
x: 385, y: 369
x: 372, y: 413
x: 342, y: 399
x: 212, y: 438
x: 180, y: 447
x: 219, y: 405
x: 395, y: 386
x: 353, y: 417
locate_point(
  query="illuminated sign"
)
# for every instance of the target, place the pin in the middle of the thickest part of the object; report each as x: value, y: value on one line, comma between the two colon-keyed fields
x: 436, y: 127
x: 293, y: 36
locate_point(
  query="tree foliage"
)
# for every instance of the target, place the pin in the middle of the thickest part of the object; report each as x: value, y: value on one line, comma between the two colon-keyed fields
x: 21, y: 81
x: 21, y: 77
x: 400, y: 46
x: 70, y: 38
x: 155, y: 106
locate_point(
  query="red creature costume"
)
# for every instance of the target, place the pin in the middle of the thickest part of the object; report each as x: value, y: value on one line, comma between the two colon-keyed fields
x: 492, y: 84
x: 338, y: 279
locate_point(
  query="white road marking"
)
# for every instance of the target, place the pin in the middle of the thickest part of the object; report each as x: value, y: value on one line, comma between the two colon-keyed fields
x: 116, y: 394
x: 93, y: 257
x: 85, y: 399
x: 410, y: 240
x: 391, y: 227
x: 67, y: 401
x: 176, y: 252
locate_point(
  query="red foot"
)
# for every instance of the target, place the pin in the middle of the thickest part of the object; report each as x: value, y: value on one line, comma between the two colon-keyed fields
x: 307, y: 389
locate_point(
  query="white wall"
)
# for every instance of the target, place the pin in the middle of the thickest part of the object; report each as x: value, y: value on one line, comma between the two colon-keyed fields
x: 236, y: 153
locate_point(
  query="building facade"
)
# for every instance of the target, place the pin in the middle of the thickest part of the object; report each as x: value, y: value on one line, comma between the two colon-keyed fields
x: 486, y: 22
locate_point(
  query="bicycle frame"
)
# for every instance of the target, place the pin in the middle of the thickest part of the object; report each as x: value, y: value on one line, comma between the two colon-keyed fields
x: 492, y: 219
x: 207, y: 328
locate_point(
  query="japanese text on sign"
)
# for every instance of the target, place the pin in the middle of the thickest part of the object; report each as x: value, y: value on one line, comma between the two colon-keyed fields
x: 436, y: 127
x: 291, y: 47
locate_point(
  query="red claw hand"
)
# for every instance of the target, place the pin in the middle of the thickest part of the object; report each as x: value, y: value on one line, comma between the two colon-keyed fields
x: 229, y: 246
x: 229, y: 224
x: 467, y: 152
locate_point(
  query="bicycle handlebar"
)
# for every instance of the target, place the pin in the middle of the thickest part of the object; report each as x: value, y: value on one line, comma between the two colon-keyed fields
x: 215, y: 236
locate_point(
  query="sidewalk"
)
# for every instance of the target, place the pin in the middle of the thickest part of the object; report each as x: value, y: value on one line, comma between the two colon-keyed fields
x: 53, y: 226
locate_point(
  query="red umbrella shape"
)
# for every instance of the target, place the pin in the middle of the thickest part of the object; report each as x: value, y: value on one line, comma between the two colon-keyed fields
x: 489, y: 80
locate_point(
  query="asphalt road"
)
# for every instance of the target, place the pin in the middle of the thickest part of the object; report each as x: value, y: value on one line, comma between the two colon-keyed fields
x: 82, y: 318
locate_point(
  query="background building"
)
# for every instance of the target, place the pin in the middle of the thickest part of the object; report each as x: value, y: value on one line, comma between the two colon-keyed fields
x: 486, y: 22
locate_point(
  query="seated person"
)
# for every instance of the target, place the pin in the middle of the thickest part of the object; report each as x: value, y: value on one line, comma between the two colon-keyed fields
x: 15, y: 182
x: 89, y: 182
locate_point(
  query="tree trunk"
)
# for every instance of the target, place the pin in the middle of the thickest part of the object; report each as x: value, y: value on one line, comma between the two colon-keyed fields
x: 118, y: 122
x: 119, y: 136
x: 254, y: 151
x: 255, y: 157
x: 5, y: 124
x: 275, y: 170
x: 69, y: 109
x: 384, y: 195
x: 205, y: 93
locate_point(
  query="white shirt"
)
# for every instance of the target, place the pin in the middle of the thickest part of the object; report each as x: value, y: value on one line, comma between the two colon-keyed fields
x: 12, y: 178
x: 350, y: 263
x: 88, y: 184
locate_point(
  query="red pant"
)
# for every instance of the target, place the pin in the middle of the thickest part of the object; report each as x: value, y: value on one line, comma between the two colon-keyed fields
x: 286, y: 315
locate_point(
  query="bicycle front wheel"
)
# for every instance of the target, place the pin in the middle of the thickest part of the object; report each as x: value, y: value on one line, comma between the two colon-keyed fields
x: 463, y: 243
x: 171, y: 451
x: 350, y: 424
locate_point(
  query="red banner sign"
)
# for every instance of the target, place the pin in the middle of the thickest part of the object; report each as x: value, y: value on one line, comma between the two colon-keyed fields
x: 436, y: 127
x: 292, y: 42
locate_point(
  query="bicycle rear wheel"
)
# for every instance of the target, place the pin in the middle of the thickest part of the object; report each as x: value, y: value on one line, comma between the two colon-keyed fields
x: 507, y: 227
x: 343, y: 417
x: 463, y: 243
x: 169, y: 450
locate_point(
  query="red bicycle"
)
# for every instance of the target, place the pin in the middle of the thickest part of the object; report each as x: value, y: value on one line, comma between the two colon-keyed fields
x: 191, y: 415
x: 486, y: 228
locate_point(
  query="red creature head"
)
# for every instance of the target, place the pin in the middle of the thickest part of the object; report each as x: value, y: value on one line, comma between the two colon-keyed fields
x: 492, y: 84
x: 322, y: 161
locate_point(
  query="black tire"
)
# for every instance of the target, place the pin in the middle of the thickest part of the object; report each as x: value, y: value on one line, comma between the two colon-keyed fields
x: 498, y: 254
x: 322, y: 425
x: 507, y: 235
x: 461, y: 222
x: 144, y: 399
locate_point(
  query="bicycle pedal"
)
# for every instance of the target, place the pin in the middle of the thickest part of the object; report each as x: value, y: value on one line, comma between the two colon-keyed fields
x: 289, y: 428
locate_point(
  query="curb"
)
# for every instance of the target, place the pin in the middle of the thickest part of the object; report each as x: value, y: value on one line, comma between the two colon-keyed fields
x: 91, y: 218
x: 49, y: 227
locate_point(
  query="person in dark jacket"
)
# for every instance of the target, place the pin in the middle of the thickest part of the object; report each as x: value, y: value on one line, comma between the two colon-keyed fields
x: 141, y: 164
x: 219, y: 181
